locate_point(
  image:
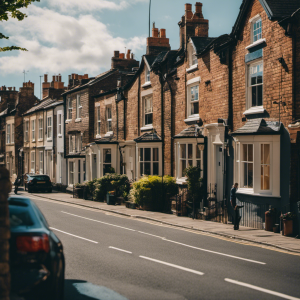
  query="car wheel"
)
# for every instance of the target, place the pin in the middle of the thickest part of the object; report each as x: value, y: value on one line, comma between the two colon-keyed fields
x: 50, y: 191
x: 29, y: 190
x: 58, y: 285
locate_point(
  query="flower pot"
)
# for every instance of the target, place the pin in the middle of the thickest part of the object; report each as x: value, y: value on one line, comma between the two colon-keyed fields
x: 287, y: 227
x: 110, y: 199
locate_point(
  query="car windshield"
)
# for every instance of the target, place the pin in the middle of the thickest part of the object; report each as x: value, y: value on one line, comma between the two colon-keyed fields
x: 19, y: 216
x: 44, y: 178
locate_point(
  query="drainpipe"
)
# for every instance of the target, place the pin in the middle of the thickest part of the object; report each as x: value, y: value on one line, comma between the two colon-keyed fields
x: 117, y: 120
x: 172, y: 129
x: 162, y: 122
x: 294, y: 43
x: 230, y: 105
x: 139, y: 104
x: 67, y: 163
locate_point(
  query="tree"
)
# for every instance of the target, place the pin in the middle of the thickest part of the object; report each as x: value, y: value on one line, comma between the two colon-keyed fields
x: 11, y: 9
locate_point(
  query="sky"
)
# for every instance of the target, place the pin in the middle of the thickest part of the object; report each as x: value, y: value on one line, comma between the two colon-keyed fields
x: 80, y: 36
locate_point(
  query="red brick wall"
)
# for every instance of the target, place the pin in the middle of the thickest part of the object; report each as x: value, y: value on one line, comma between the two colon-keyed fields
x: 278, y: 45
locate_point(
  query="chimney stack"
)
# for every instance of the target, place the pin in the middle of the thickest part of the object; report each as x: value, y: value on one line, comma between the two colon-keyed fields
x: 45, y: 78
x: 119, y: 62
x: 198, y: 8
x: 116, y: 54
x: 188, y: 11
x: 128, y: 54
x: 158, y: 42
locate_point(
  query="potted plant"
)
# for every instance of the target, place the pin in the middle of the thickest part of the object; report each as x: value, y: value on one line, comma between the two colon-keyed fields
x: 78, y: 190
x: 269, y: 219
x: 110, y: 198
x: 287, y: 219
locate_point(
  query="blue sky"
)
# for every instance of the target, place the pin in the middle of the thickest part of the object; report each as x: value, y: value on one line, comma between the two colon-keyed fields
x: 76, y: 36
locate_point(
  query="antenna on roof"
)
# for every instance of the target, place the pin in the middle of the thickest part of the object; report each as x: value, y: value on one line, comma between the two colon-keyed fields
x: 149, y: 16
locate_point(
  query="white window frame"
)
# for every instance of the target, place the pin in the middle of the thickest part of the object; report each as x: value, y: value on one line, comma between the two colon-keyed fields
x: 71, y: 145
x: 59, y: 124
x: 108, y: 119
x: 263, y: 163
x: 256, y: 36
x: 78, y: 107
x: 8, y: 126
x: 41, y: 162
x: 257, y: 141
x: 13, y: 133
x: 26, y: 162
x: 147, y: 75
x: 33, y: 130
x: 104, y: 164
x: 190, y: 101
x: 194, y: 159
x: 98, y: 112
x: 71, y: 173
x: 26, y: 131
x: 32, y: 162
x: 147, y: 111
x: 256, y: 108
x: 139, y: 160
x: 49, y: 128
x: 41, y: 129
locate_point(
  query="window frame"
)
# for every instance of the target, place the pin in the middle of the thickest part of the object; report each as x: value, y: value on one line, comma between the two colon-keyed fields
x: 104, y: 164
x: 41, y: 128
x: 98, y: 127
x: 41, y: 162
x: 270, y: 166
x: 190, y: 102
x: 32, y: 161
x: 254, y: 21
x: 13, y: 133
x: 249, y: 86
x: 59, y: 124
x: 8, y: 132
x: 26, y: 131
x: 147, y: 74
x: 145, y: 98
x: 71, y: 171
x: 108, y: 120
x: 49, y: 128
x: 78, y: 107
x: 33, y: 130
x: 70, y: 108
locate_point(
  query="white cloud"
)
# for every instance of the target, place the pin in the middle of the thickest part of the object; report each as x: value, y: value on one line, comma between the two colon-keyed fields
x: 58, y: 43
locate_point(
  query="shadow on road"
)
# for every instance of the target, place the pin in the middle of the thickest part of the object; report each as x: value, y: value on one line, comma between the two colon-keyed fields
x: 71, y: 293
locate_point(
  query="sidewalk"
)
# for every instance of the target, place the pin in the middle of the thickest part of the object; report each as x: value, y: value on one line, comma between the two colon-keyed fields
x: 262, y: 237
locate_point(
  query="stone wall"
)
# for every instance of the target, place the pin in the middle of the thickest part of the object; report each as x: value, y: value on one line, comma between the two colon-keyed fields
x: 5, y: 187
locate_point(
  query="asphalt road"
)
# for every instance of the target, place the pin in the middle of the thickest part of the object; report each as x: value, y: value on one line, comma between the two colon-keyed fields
x: 109, y: 257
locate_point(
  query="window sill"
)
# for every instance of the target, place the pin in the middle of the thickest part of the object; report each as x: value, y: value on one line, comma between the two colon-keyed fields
x: 148, y: 83
x: 109, y: 133
x: 33, y: 141
x: 59, y: 135
x: 49, y: 140
x: 251, y: 192
x: 258, y: 42
x: 40, y: 140
x: 254, y: 110
x: 192, y: 68
x: 68, y: 121
x: 181, y: 180
x: 147, y: 127
x: 98, y: 136
x: 192, y: 119
x: 78, y: 120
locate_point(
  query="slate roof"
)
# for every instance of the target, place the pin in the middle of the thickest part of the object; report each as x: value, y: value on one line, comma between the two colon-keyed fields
x: 148, y: 137
x: 200, y: 43
x: 39, y: 106
x: 56, y: 103
x: 259, y: 127
x: 277, y: 9
x: 107, y: 140
x: 190, y: 132
x: 3, y: 113
x: 150, y: 59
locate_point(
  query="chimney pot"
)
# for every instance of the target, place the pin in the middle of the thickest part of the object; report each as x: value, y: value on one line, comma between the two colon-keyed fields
x: 59, y: 78
x: 122, y: 55
x: 116, y: 54
x: 162, y: 33
x: 188, y: 7
x: 14, y: 88
x: 53, y: 78
x: 128, y: 54
x: 154, y: 32
x: 45, y: 77
x: 198, y: 8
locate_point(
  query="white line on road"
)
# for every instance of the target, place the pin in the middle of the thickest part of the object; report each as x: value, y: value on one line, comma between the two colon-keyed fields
x: 120, y: 250
x: 97, y: 221
x: 171, y: 265
x: 74, y: 235
x: 160, y: 237
x: 250, y: 286
x: 219, y: 253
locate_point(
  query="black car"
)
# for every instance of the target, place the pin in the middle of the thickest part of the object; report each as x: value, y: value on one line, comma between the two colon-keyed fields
x: 36, y: 254
x: 36, y: 182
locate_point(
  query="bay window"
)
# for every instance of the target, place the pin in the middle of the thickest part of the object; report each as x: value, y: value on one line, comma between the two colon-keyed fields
x: 247, y: 165
x: 71, y: 172
x: 265, y: 166
x: 149, y: 160
x: 106, y: 161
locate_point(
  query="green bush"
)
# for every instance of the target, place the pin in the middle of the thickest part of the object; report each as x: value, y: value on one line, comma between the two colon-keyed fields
x: 154, y: 194
x: 195, y: 183
x: 111, y: 182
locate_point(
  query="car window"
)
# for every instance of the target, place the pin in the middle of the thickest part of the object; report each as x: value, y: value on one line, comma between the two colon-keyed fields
x: 19, y: 216
x: 44, y: 178
x: 40, y: 215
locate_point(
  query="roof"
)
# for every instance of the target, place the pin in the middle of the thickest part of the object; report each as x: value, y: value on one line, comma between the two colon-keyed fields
x: 148, y: 137
x: 275, y: 9
x: 56, y: 103
x: 200, y: 43
x: 193, y: 131
x: 4, y: 112
x: 259, y: 127
x: 39, y: 106
x: 150, y: 59
x: 107, y: 140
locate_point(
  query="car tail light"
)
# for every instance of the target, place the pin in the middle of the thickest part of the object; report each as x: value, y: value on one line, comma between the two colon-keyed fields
x: 33, y: 243
x: 30, y: 181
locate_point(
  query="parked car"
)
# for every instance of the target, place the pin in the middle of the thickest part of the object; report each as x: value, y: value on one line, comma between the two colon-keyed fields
x: 36, y: 254
x: 37, y: 182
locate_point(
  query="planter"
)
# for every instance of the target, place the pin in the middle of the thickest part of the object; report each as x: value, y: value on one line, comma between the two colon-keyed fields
x: 110, y: 199
x: 78, y: 193
x: 276, y: 228
x: 287, y: 227
x: 269, y: 221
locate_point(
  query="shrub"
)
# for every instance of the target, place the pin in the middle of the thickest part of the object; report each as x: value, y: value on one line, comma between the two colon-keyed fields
x: 195, y: 183
x: 111, y: 182
x: 152, y: 193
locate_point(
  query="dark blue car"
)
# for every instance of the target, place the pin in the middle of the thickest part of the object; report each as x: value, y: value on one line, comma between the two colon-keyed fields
x: 36, y: 254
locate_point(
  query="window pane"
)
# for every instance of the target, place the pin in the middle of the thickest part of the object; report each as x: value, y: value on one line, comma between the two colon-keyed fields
x: 250, y: 152
x: 147, y: 168
x: 245, y: 175
x: 198, y: 152
x: 259, y: 95
x: 198, y: 163
x: 266, y: 154
x: 147, y: 154
x: 254, y: 96
x: 142, y: 154
x: 266, y: 185
x: 155, y: 154
x: 250, y: 175
x: 183, y: 167
x: 195, y: 108
x: 141, y: 169
x: 183, y: 150
x: 245, y: 152
x: 190, y: 151
x: 190, y: 163
x: 107, y: 156
x: 155, y: 168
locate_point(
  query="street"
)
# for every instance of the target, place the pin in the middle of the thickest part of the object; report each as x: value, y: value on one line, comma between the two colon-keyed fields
x: 115, y: 257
